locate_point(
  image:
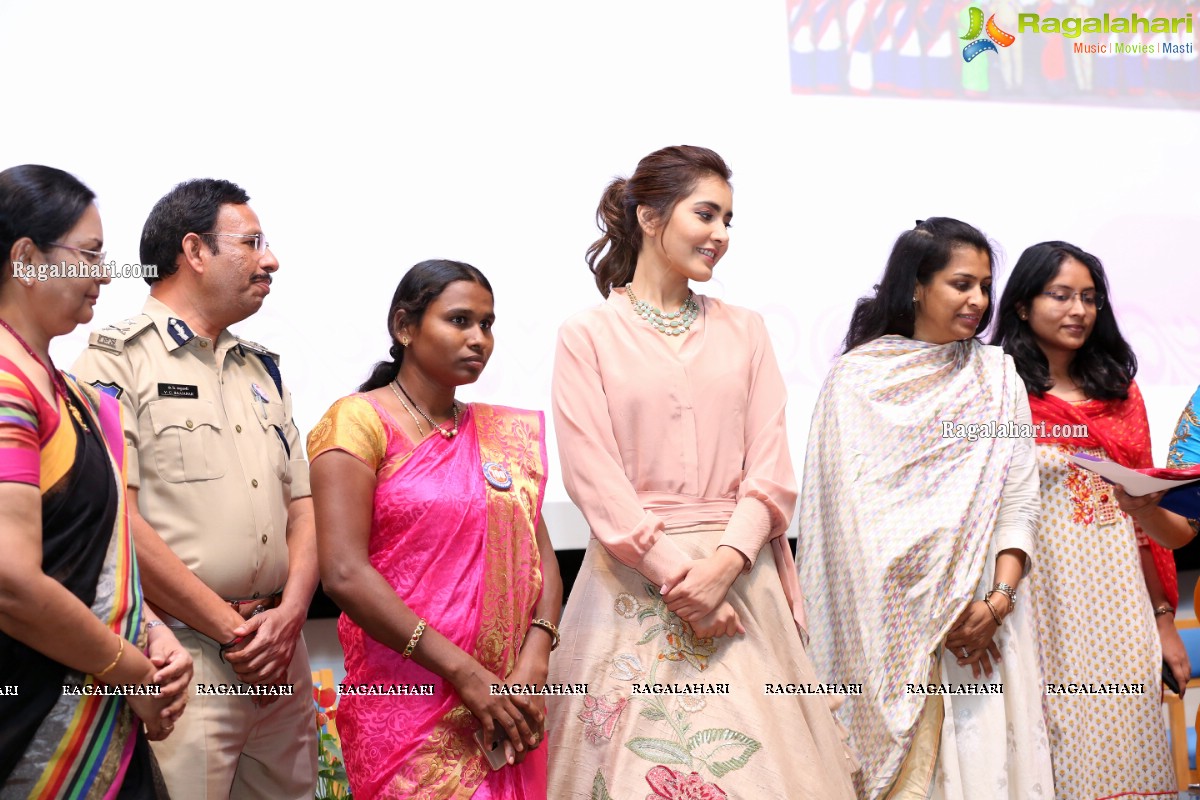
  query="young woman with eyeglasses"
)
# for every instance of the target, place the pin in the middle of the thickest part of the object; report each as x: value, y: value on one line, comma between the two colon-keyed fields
x: 1101, y: 586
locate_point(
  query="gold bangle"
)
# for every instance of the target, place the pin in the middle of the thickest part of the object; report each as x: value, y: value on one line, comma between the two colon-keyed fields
x: 996, y: 616
x: 550, y: 628
x: 416, y: 637
x: 110, y: 667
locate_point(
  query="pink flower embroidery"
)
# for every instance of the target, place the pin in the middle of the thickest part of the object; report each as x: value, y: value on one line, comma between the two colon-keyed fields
x: 600, y: 716
x: 1082, y: 505
x: 672, y: 785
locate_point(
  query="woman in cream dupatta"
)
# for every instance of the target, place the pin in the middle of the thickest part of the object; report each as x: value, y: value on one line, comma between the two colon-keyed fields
x: 910, y: 522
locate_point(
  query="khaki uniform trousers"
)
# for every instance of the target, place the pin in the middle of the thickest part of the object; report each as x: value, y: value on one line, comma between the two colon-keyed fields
x: 228, y: 747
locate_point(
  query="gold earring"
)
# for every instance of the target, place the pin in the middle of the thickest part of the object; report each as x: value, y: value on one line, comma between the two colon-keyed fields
x: 404, y: 342
x: 1023, y: 316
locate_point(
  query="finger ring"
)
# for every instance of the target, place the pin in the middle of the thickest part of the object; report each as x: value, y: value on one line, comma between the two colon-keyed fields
x: 966, y: 653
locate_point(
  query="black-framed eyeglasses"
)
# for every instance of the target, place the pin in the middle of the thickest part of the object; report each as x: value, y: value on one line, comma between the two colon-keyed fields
x: 1090, y: 297
x: 260, y: 239
x: 96, y: 254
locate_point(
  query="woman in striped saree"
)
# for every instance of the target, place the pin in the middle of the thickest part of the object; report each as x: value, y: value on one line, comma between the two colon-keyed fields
x: 73, y: 626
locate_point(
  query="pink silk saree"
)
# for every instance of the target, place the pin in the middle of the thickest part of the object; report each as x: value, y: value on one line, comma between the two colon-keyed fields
x: 461, y: 552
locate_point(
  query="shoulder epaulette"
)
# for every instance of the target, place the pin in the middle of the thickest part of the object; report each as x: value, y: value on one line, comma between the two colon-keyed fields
x: 257, y: 348
x: 113, y: 338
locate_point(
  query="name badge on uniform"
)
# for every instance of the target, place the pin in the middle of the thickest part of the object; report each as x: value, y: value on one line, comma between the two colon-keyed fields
x: 178, y: 390
x: 497, y: 476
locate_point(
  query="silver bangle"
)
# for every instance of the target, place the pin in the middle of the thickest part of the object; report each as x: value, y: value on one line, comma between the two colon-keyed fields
x: 1008, y: 592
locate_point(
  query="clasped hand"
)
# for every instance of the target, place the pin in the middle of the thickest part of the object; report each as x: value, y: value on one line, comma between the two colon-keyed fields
x: 268, y: 641
x: 519, y: 719
x: 697, y: 593
x: 974, y: 630
x: 172, y: 672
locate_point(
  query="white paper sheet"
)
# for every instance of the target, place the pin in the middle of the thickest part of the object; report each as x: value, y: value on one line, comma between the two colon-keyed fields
x: 1135, y: 483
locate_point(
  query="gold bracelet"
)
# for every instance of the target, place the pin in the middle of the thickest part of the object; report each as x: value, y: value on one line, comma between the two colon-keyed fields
x: 991, y: 608
x: 416, y: 637
x: 112, y: 666
x: 550, y: 628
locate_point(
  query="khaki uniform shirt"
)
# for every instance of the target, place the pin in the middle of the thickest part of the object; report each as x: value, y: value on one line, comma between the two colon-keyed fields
x: 212, y: 447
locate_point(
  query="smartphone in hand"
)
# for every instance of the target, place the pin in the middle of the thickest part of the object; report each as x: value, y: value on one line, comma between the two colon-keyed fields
x: 1169, y: 678
x: 495, y: 755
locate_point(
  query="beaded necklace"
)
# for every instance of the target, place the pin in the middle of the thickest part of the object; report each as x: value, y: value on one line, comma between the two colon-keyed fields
x: 675, y: 324
x: 448, y: 434
x: 56, y: 378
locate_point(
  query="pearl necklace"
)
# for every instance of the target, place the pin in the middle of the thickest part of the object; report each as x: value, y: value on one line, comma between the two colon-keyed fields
x: 447, y: 434
x: 675, y: 324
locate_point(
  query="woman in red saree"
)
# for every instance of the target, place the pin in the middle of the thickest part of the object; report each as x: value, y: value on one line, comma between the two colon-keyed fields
x: 430, y: 539
x: 1106, y: 593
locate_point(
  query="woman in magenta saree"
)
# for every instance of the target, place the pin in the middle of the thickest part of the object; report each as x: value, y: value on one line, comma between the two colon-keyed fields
x: 430, y: 540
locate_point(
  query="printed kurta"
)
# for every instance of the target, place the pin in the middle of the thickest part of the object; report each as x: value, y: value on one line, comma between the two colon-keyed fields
x: 1097, y: 625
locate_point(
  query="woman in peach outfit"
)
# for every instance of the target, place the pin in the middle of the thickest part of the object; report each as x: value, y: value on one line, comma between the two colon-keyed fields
x: 685, y: 619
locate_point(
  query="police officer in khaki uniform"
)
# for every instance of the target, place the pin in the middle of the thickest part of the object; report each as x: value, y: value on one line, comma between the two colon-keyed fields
x: 219, y: 497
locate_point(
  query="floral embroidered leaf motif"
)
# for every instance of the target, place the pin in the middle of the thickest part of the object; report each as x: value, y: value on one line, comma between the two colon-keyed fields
x: 600, y: 787
x: 660, y: 751
x: 653, y: 714
x: 627, y: 667
x: 651, y: 632
x: 722, y: 749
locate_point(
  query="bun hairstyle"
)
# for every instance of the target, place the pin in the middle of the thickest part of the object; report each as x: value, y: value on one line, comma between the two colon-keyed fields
x: 419, y: 287
x: 660, y: 181
x: 1103, y: 367
x: 916, y: 257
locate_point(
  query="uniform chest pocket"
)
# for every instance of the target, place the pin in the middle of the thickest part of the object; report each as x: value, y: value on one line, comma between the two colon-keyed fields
x: 272, y: 419
x: 187, y: 440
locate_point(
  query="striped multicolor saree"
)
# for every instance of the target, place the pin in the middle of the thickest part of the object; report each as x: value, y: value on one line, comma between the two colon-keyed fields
x: 55, y: 744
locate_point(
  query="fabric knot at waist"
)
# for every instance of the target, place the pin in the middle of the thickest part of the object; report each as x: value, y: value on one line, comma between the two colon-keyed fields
x: 687, y: 511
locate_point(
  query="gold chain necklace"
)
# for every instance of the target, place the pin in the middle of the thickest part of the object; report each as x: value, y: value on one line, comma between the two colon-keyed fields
x: 447, y: 434
x: 420, y: 430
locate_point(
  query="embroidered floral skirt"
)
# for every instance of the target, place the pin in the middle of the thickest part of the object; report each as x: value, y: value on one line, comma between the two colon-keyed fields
x: 669, y: 715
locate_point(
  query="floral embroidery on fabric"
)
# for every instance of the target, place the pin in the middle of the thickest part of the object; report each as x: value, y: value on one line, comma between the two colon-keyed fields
x: 1082, y: 508
x: 672, y: 785
x: 681, y: 644
x: 718, y: 750
x: 600, y: 716
x: 626, y: 605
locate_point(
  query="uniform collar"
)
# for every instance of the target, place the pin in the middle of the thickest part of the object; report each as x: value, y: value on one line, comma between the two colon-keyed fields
x: 174, y: 331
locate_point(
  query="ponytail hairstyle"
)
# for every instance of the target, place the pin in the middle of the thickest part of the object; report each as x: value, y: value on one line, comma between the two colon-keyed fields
x: 916, y: 257
x: 419, y: 287
x: 660, y: 181
x: 1103, y: 367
